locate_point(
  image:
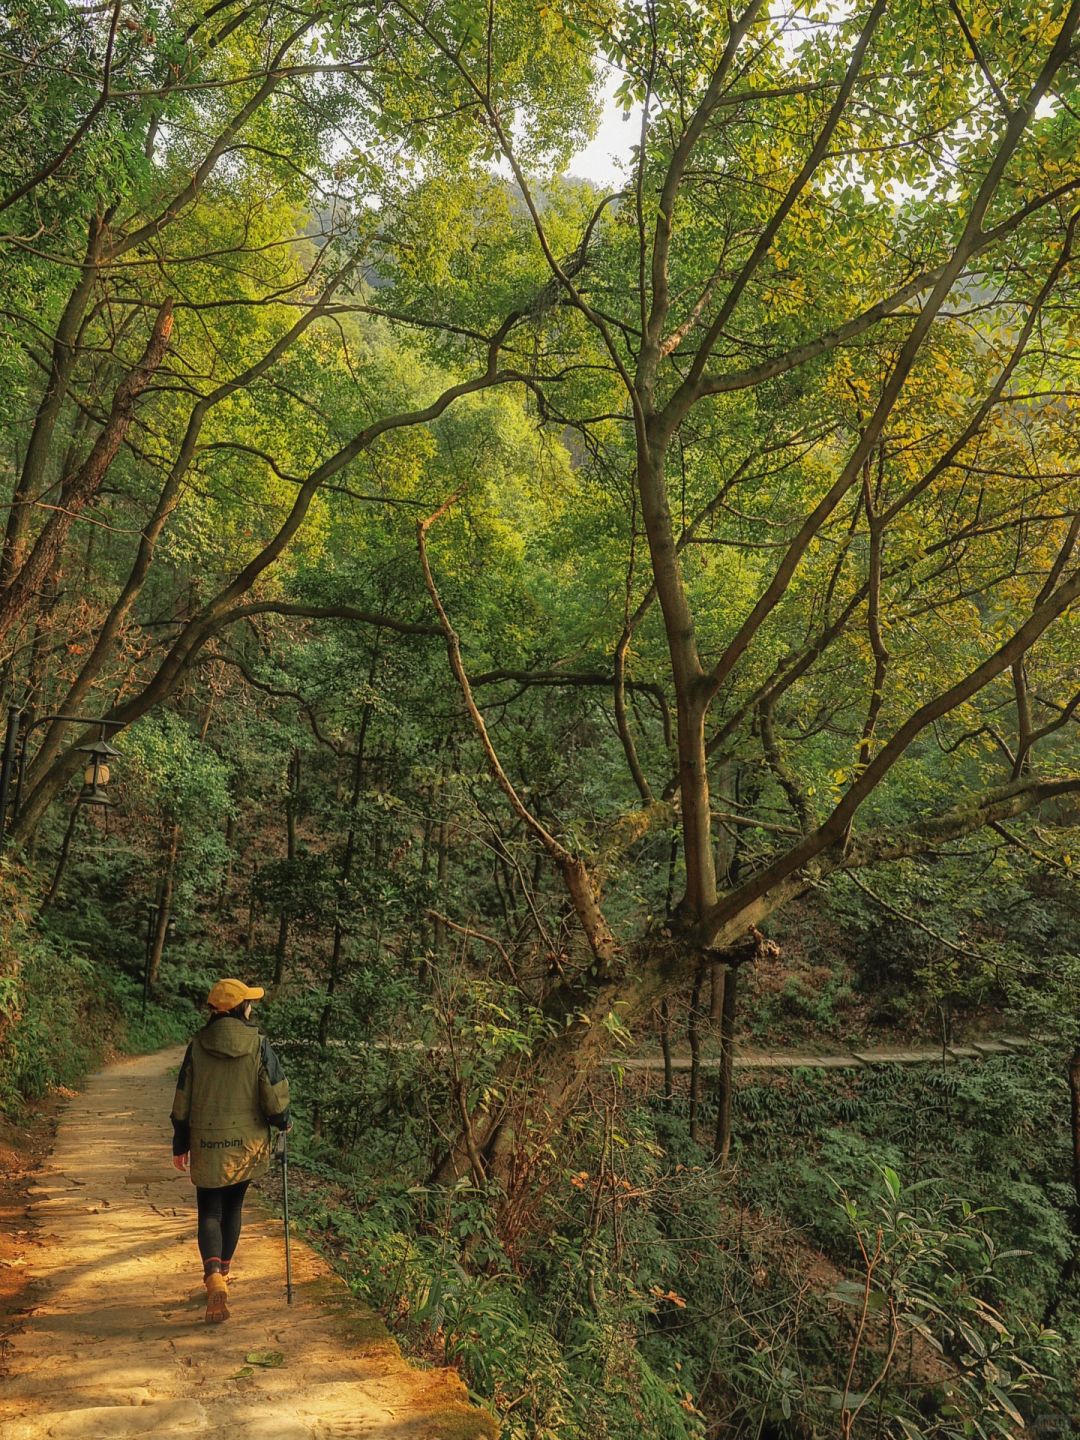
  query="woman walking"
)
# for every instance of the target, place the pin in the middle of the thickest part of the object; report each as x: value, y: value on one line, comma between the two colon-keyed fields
x: 231, y: 1087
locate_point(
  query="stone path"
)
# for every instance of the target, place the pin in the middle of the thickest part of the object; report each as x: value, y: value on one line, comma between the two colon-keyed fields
x: 849, y: 1060
x: 114, y: 1346
x: 749, y: 1059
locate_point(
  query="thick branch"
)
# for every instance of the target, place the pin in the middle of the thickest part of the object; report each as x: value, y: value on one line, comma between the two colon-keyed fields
x: 665, y: 217
x: 166, y: 504
x: 685, y: 395
x: 79, y: 489
x: 835, y: 827
x: 870, y: 317
x: 323, y: 612
x: 922, y: 837
x: 222, y: 609
x: 891, y: 390
x: 51, y: 166
x: 786, y: 780
x: 573, y: 870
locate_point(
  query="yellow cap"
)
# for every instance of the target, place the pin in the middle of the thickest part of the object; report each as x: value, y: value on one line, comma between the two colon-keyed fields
x: 227, y: 994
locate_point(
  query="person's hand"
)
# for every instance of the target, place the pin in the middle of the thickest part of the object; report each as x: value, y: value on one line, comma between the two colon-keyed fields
x: 180, y: 1162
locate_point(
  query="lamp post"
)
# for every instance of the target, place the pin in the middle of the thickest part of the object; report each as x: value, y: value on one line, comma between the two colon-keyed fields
x: 13, y: 760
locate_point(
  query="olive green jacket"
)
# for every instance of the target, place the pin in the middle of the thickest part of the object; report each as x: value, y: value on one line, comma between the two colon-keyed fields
x: 231, y: 1087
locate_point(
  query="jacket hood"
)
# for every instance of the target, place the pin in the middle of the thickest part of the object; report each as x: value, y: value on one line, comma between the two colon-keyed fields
x: 228, y: 1037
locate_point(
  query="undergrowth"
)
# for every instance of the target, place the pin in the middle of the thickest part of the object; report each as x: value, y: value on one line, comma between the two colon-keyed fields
x: 67, y: 1002
x: 834, y: 1277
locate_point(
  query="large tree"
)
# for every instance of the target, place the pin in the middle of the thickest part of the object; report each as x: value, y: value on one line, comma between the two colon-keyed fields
x: 176, y: 277
x: 836, y: 293
x: 812, y: 360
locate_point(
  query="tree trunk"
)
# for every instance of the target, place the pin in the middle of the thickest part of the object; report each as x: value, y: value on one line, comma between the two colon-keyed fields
x: 291, y: 804
x: 165, y: 898
x: 692, y: 696
x: 334, y: 969
x: 442, y: 859
x: 1074, y: 1096
x: 65, y: 352
x: 665, y: 1049
x: 249, y: 932
x: 693, y: 1035
x: 512, y: 1133
x: 726, y: 1076
x: 226, y: 872
x: 716, y: 992
x: 78, y: 489
x: 37, y: 690
x: 61, y: 863
x: 281, y: 948
x: 323, y: 1034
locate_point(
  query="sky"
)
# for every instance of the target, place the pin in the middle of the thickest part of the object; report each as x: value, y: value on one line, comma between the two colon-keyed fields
x: 615, y: 138
x: 601, y: 160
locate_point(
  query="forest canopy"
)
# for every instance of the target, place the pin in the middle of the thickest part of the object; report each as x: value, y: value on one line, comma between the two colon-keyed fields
x: 521, y: 602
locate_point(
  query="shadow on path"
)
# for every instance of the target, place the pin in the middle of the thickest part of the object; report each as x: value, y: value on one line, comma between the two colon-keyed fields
x: 113, y: 1343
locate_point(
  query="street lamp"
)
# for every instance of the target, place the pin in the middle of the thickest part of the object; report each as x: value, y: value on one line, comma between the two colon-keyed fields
x: 13, y: 760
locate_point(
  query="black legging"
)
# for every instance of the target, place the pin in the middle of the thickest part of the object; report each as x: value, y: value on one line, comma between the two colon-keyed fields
x: 220, y: 1215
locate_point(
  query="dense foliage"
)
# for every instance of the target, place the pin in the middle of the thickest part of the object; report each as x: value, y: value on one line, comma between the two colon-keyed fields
x: 545, y: 625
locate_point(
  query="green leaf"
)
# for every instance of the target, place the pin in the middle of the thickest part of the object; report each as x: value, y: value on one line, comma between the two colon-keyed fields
x: 973, y: 1339
x: 837, y: 1399
x: 1006, y: 1404
x: 268, y: 1359
x: 848, y: 1292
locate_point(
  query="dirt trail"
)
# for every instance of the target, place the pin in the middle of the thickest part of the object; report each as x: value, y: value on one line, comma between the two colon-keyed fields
x: 114, y: 1344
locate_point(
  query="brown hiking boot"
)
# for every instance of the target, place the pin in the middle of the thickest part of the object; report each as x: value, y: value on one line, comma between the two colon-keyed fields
x: 217, y: 1298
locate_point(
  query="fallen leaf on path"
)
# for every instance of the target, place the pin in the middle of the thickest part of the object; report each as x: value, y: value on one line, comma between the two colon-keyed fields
x: 243, y: 1373
x: 268, y: 1359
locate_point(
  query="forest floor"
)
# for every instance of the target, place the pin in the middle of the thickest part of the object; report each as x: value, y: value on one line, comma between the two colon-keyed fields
x: 109, y: 1340
x: 24, y: 1147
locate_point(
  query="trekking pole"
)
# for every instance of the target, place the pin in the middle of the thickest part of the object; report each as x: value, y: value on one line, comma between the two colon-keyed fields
x: 283, y: 1156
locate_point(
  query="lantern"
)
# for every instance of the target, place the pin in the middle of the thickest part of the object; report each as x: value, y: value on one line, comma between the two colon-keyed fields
x: 96, y: 774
